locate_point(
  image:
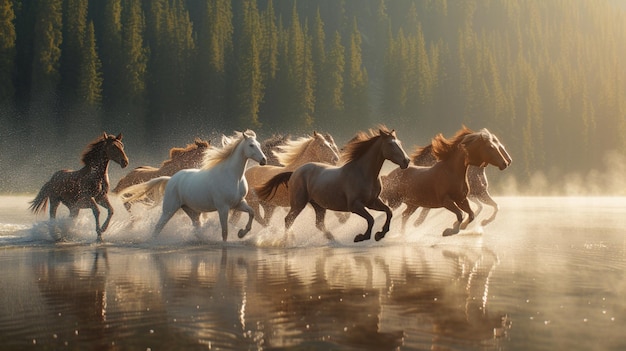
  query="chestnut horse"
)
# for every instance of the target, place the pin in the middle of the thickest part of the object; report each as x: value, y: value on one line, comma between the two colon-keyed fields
x: 86, y: 188
x: 476, y: 177
x: 292, y: 154
x: 445, y: 183
x: 350, y: 187
x: 180, y: 158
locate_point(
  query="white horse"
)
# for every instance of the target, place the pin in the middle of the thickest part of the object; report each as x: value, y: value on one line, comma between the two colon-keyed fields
x: 219, y: 185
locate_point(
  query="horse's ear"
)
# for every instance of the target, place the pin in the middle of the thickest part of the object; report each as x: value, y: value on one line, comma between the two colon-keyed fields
x: 104, y: 135
x: 315, y: 133
x: 119, y: 137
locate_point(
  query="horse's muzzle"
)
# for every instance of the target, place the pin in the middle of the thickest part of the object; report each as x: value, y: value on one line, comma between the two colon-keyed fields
x: 405, y: 163
x: 263, y: 161
x: 124, y: 163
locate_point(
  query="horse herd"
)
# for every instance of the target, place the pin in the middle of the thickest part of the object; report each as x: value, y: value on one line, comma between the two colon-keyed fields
x: 290, y: 173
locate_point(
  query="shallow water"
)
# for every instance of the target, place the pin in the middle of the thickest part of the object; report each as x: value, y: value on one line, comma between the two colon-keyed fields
x: 547, y: 274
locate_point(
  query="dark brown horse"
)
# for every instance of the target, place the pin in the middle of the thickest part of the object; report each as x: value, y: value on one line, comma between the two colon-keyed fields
x: 190, y: 156
x: 86, y: 188
x: 476, y: 178
x: 352, y: 187
x: 445, y: 183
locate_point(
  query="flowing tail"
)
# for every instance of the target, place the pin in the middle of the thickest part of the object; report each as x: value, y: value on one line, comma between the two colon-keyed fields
x: 268, y: 190
x: 151, y: 191
x: 40, y: 203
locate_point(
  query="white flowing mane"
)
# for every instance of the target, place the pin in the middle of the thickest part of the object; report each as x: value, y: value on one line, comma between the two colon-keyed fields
x: 213, y: 156
x: 292, y: 149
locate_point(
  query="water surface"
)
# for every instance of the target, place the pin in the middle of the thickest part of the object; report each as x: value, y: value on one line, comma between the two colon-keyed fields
x: 547, y: 274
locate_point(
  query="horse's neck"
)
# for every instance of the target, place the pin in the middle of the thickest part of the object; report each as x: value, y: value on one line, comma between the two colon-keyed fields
x: 370, y: 163
x: 99, y: 166
x: 235, y: 165
x: 457, y: 163
x: 303, y: 158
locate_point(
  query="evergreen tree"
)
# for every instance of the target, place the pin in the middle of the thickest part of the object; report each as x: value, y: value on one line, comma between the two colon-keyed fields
x: 7, y: 52
x: 47, y: 49
x: 356, y: 100
x: 91, y: 70
x: 329, y: 97
x: 111, y: 55
x: 72, y: 60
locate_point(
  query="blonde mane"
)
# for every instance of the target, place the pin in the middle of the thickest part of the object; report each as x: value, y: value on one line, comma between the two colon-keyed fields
x: 444, y: 148
x: 292, y: 149
x: 213, y: 156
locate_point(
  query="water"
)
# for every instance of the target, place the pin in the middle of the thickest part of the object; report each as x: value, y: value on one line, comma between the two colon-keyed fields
x: 547, y: 274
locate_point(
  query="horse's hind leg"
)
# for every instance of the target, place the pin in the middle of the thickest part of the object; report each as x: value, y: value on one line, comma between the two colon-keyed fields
x: 104, y: 202
x: 320, y: 215
x: 408, y: 211
x: 195, y: 219
x: 465, y: 206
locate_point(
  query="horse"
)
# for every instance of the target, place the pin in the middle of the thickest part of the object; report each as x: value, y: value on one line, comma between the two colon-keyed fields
x: 292, y: 154
x: 219, y: 185
x: 476, y: 177
x: 445, y: 183
x: 351, y: 187
x: 87, y: 187
x: 270, y: 144
x: 189, y: 156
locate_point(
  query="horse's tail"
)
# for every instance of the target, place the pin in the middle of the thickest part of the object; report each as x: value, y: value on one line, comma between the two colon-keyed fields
x: 268, y: 190
x: 152, y: 190
x: 40, y: 203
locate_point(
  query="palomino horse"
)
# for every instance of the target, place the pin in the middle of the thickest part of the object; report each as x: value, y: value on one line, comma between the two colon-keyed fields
x: 293, y: 154
x: 445, y: 183
x: 348, y: 188
x: 86, y: 188
x: 476, y: 178
x: 219, y: 185
x: 180, y: 158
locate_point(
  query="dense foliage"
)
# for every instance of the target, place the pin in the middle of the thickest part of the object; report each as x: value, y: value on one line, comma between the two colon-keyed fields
x: 546, y: 76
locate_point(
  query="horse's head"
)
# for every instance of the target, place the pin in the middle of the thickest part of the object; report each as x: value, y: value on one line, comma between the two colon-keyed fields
x: 114, y: 149
x: 329, y: 138
x: 392, y: 149
x: 252, y: 148
x: 482, y: 150
x: 501, y: 149
x: 323, y: 149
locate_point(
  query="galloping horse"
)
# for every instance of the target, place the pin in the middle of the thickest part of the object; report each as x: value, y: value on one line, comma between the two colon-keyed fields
x: 292, y: 154
x: 270, y: 144
x: 180, y: 158
x: 445, y: 183
x: 348, y: 188
x: 219, y: 185
x: 476, y: 177
x: 87, y: 187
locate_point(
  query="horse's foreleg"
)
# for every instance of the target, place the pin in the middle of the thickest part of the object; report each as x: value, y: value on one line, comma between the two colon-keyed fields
x: 268, y: 212
x: 478, y: 202
x: 223, y: 214
x: 244, y: 207
x: 104, y: 202
x: 360, y: 210
x: 422, y: 216
x: 465, y: 206
x: 378, y: 205
x: 320, y: 216
x: 452, y: 207
x: 96, y: 213
x: 487, y: 199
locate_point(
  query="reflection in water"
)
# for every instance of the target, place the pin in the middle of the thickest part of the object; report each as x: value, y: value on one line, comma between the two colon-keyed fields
x: 248, y: 298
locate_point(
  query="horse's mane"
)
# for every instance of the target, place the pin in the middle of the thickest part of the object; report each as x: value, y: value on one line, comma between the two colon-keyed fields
x: 292, y: 149
x: 176, y: 152
x: 361, y: 142
x: 92, y: 151
x: 443, y: 148
x: 275, y: 140
x: 215, y: 155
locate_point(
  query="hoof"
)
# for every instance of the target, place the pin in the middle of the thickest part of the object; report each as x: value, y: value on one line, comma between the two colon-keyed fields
x: 242, y: 233
x: 99, y: 240
x: 361, y: 237
x: 449, y: 232
x: 379, y: 236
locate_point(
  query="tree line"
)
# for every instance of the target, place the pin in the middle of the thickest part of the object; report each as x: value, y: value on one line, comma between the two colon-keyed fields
x: 546, y: 76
